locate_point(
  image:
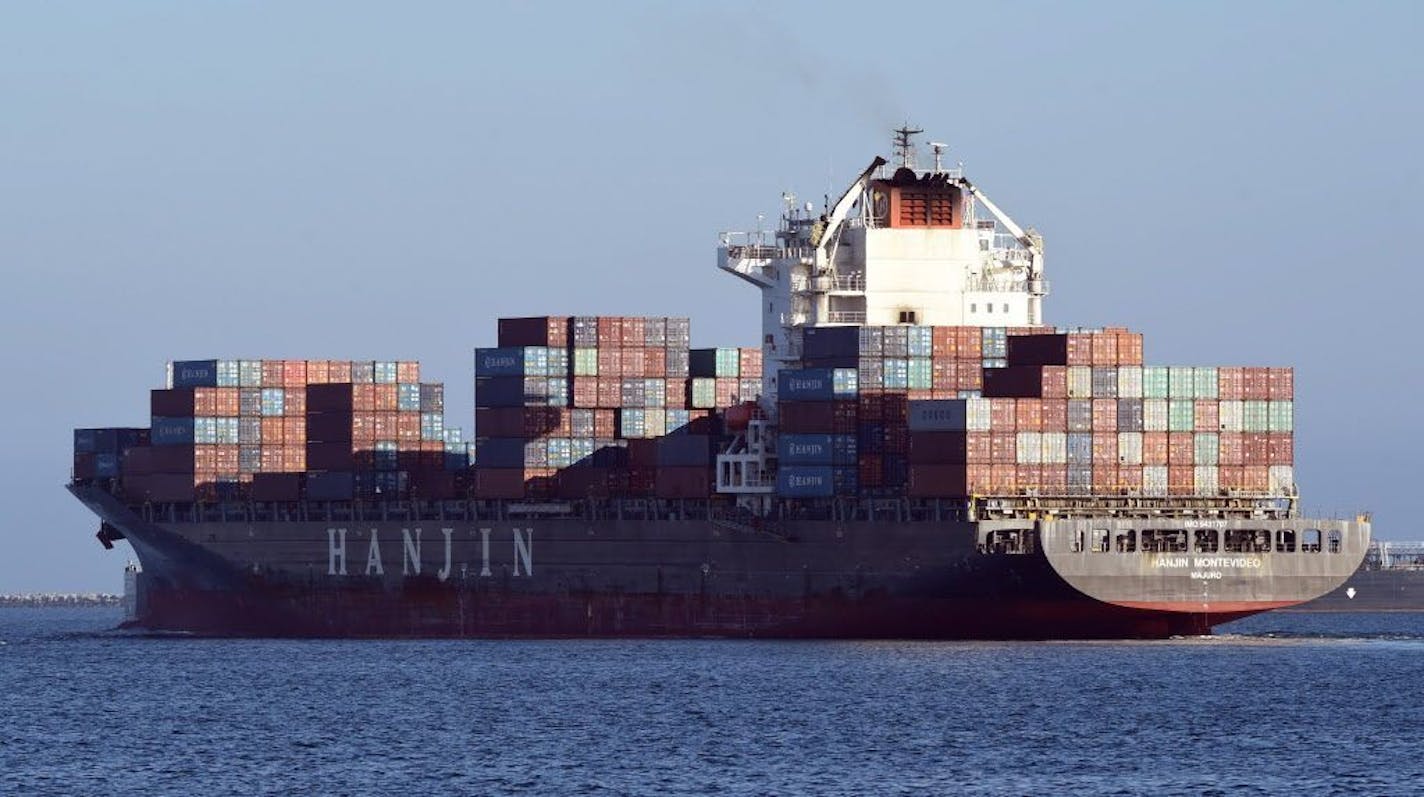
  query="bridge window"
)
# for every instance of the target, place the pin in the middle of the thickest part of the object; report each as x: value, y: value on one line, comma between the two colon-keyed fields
x: 1311, y: 543
x: 1080, y: 540
x: 907, y: 316
x: 973, y: 308
x: 1239, y: 540
x: 1207, y: 541
x: 1334, y: 541
x: 1261, y: 541
x: 1285, y: 541
x: 1164, y: 541
x: 1127, y: 541
x: 1100, y: 541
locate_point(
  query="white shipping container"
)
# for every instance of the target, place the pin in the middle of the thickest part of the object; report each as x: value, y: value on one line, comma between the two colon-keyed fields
x: 976, y: 411
x: 1154, y: 415
x: 1055, y: 448
x: 1206, y: 481
x: 1281, y: 479
x: 1154, y: 480
x: 1080, y: 382
x: 1129, y: 448
x: 1129, y: 381
x: 1230, y: 414
x: 1030, y: 448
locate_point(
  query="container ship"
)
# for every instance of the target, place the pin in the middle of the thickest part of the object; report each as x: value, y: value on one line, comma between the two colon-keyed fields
x: 908, y: 451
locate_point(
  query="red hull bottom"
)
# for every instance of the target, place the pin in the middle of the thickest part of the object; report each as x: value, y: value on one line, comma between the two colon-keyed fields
x: 438, y: 613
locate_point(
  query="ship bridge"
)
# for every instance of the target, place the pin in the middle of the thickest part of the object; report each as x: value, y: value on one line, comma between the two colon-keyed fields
x: 907, y: 246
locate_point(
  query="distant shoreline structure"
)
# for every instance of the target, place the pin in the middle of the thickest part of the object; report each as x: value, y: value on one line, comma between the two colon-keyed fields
x: 59, y: 599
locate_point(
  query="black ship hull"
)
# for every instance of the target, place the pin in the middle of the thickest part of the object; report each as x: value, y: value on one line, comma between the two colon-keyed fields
x: 660, y: 577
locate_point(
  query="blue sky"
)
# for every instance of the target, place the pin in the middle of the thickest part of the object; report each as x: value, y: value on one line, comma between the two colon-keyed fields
x: 1241, y: 182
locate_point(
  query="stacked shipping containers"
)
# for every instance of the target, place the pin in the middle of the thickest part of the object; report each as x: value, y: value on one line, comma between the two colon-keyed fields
x: 246, y: 429
x: 601, y: 406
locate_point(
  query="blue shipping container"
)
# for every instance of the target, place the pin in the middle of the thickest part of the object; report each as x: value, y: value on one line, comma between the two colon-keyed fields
x: 507, y: 361
x: 172, y: 431
x: 830, y: 342
x: 816, y: 449
x: 195, y: 373
x: 806, y: 481
x: 816, y: 384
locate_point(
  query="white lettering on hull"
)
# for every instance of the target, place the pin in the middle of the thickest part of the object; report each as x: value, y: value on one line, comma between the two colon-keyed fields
x: 373, y: 557
x: 336, y: 552
x: 524, y: 552
x: 445, y: 571
x: 410, y: 552
x: 484, y: 553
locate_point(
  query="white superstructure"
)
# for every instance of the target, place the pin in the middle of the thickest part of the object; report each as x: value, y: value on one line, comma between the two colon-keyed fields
x: 912, y: 247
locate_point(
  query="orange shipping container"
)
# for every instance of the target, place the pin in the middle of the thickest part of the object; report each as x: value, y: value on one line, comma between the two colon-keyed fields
x: 205, y: 401
x: 227, y: 402
x: 387, y: 398
x: 1230, y: 383
x: 1155, y: 448
x: 408, y: 427
x: 363, y: 430
x: 295, y: 401
x: 338, y: 371
x: 1104, y: 449
x: 1207, y: 415
x: 634, y: 359
x: 944, y: 374
x: 1080, y: 348
x: 1256, y: 478
x: 1105, y: 479
x: 385, y: 425
x: 272, y: 459
x: 363, y: 397
x: 1230, y: 450
x: 1181, y: 449
x: 1055, y: 415
x: 1030, y: 478
x: 978, y: 447
x: 968, y: 345
x: 408, y: 372
x: 1001, y: 414
x: 1129, y: 348
x: 1104, y: 348
x: 294, y: 431
x: 273, y: 433
x: 225, y: 458
x: 1054, y: 479
x: 1105, y: 415
x: 294, y: 459
x: 1181, y: 480
x: 969, y: 376
x: 294, y: 373
x: 1003, y: 479
x: 1231, y: 477
x: 317, y: 372
x: 1003, y: 447
x: 1028, y: 415
x: 655, y: 363
x: 272, y: 373
x: 942, y: 343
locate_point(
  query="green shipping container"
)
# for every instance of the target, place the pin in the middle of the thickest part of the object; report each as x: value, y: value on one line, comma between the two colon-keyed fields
x: 704, y: 393
x: 1255, y: 417
x: 921, y: 373
x: 1182, y: 382
x: 585, y: 362
x: 1181, y: 415
x: 1280, y: 416
x: 1207, y: 448
x: 1154, y: 382
x: 1205, y: 383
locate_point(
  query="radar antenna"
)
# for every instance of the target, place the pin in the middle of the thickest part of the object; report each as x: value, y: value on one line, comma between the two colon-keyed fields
x: 904, y: 147
x: 939, y: 147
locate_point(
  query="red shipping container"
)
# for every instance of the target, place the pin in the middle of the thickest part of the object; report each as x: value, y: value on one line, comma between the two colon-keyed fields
x: 872, y: 470
x: 363, y: 397
x: 205, y: 401
x: 294, y: 373
x: 1054, y: 479
x: 943, y: 395
x: 338, y: 371
x: 610, y: 362
x: 1104, y: 348
x: 227, y: 402
x: 676, y: 392
x: 272, y: 373
x: 408, y: 427
x: 872, y: 407
x: 978, y: 447
x: 749, y: 363
x: 610, y: 391
x: 610, y: 332
x: 225, y: 459
x: 585, y: 391
x: 634, y: 360
x: 1080, y: 348
x: 1181, y: 448
x: 1003, y: 448
x: 919, y: 395
x: 386, y: 426
x: 634, y: 332
x: 968, y: 345
x: 1001, y: 414
x: 1129, y: 348
x: 272, y: 459
x: 944, y: 375
x: 294, y: 401
x: 386, y: 398
x: 1028, y: 415
x: 273, y: 432
x: 1105, y: 415
x: 655, y: 363
x: 294, y: 431
x: 1129, y: 478
x: 728, y: 391
x: 980, y: 478
x: 363, y: 429
x: 1104, y: 449
x: 970, y: 376
x: 1256, y: 384
x: 1030, y: 478
x: 1231, y: 477
x: 1181, y: 480
x: 1256, y: 449
x: 1003, y: 479
x: 317, y: 372
x: 942, y: 343
x: 1281, y: 384
x: 1105, y: 479
x: 1055, y: 415
x: 1054, y: 381
x: 1256, y: 478
x: 1207, y: 415
x: 1231, y: 385
x: 1280, y: 448
x: 408, y: 372
x: 1155, y: 450
x: 1230, y: 449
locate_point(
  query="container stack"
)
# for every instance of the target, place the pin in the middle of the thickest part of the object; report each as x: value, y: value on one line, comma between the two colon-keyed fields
x: 273, y: 430
x: 101, y: 453
x: 599, y: 406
